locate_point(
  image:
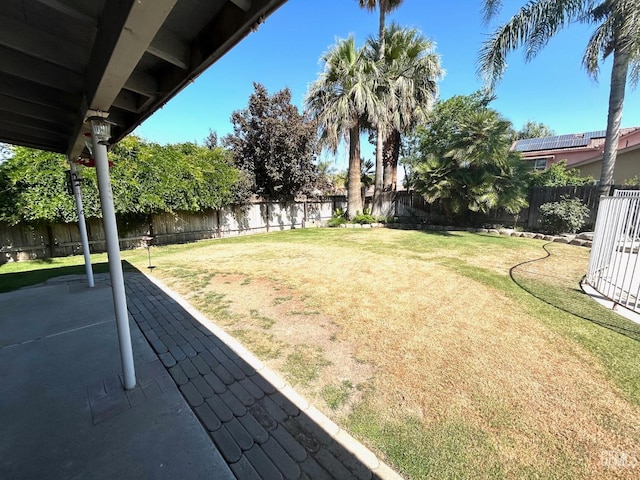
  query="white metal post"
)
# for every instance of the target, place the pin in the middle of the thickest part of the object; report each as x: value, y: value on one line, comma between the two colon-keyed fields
x: 115, y: 265
x: 82, y: 224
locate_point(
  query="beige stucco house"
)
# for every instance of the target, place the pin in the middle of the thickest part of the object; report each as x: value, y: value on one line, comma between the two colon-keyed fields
x: 584, y: 152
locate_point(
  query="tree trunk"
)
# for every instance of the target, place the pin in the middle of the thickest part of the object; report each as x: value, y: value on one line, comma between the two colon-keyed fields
x: 378, y: 189
x: 354, y: 198
x: 388, y: 168
x: 376, y: 210
x: 616, y: 101
x: 391, y: 157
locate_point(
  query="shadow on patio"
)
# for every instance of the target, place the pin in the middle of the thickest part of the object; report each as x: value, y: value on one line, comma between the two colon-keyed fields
x: 201, y: 408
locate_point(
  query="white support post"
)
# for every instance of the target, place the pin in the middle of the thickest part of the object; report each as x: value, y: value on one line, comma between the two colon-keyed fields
x: 115, y: 264
x: 82, y: 225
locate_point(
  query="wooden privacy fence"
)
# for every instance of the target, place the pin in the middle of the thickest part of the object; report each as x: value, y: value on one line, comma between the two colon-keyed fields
x: 22, y: 242
x: 409, y: 205
x: 538, y: 196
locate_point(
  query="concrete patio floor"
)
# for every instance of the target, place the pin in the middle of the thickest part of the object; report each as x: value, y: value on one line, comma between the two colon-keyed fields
x: 201, y: 408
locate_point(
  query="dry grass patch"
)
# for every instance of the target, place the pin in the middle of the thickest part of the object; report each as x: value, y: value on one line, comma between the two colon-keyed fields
x: 423, y: 347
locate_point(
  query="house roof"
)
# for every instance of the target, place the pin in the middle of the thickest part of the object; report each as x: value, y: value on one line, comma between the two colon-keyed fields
x: 61, y: 59
x: 565, y: 142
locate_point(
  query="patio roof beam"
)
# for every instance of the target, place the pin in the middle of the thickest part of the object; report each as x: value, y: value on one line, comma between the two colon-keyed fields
x: 27, y: 67
x: 29, y: 109
x: 44, y: 125
x: 36, y: 93
x: 31, y: 41
x: 170, y: 48
x: 142, y: 83
x: 124, y: 35
x: 243, y: 4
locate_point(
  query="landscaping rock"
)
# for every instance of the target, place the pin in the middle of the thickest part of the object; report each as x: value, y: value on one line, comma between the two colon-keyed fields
x: 585, y: 236
x: 493, y: 231
x: 482, y: 230
x: 578, y: 242
x: 561, y: 240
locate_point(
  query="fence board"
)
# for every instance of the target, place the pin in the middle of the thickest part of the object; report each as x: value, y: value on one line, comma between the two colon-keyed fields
x: 21, y: 242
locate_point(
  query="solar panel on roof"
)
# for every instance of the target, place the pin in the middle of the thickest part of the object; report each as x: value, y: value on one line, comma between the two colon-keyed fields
x: 558, y: 141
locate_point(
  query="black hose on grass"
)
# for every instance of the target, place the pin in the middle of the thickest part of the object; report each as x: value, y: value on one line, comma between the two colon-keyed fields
x: 632, y: 333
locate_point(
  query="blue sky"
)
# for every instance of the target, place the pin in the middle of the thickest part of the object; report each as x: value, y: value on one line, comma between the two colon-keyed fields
x: 553, y: 88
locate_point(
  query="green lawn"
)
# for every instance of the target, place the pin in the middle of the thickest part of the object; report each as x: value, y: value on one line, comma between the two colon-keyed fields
x: 423, y: 346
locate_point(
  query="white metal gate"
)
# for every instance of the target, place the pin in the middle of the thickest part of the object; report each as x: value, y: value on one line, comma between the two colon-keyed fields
x: 614, y: 265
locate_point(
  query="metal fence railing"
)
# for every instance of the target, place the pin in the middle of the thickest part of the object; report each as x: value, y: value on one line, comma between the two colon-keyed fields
x: 614, y: 265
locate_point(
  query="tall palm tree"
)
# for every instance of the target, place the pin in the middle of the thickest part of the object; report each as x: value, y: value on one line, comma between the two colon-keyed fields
x: 384, y: 7
x: 338, y: 100
x: 617, y: 33
x: 410, y: 71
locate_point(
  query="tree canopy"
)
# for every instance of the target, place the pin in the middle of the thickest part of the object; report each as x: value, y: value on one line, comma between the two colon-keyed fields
x: 558, y: 175
x: 146, y: 178
x: 274, y: 144
x: 463, y: 160
x: 533, y: 129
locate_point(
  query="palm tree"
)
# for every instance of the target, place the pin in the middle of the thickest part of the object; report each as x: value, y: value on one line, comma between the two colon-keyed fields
x: 474, y: 171
x: 384, y: 7
x: 338, y: 101
x: 410, y: 71
x: 617, y: 33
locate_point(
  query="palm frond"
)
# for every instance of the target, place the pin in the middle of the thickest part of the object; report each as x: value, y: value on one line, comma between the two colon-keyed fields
x: 531, y: 27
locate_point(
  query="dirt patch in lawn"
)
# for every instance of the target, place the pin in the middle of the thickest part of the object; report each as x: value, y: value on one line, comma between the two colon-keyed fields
x: 289, y: 332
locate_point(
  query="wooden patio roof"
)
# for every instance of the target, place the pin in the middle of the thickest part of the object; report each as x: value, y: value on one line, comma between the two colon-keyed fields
x: 60, y: 59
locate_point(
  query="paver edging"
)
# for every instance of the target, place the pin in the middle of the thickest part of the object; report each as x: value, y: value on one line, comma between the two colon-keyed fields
x: 340, y: 436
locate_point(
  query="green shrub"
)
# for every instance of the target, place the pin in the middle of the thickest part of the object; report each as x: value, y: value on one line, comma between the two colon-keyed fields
x: 363, y: 218
x: 566, y: 216
x: 338, y: 218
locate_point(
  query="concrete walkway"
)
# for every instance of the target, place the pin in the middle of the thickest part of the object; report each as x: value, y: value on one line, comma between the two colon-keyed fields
x: 202, y: 408
x: 63, y: 410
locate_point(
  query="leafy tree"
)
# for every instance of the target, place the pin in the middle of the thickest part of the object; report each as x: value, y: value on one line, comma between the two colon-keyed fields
x: 471, y: 170
x: 534, y: 130
x: 445, y: 121
x: 274, y: 144
x: 338, y: 100
x: 211, y: 141
x: 33, y: 188
x: 617, y: 34
x: 558, y: 175
x: 149, y: 178
x: 327, y: 178
x: 146, y: 178
x: 437, y: 134
x: 629, y: 182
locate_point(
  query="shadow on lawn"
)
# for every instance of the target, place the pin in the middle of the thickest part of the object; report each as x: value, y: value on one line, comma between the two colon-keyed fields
x: 572, y: 300
x: 16, y: 280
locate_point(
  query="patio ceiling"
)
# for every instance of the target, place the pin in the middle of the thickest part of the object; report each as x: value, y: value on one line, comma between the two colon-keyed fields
x: 59, y: 59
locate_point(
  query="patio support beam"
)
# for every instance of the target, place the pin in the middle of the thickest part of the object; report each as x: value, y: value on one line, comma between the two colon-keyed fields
x: 115, y: 263
x: 125, y: 31
x: 82, y: 224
